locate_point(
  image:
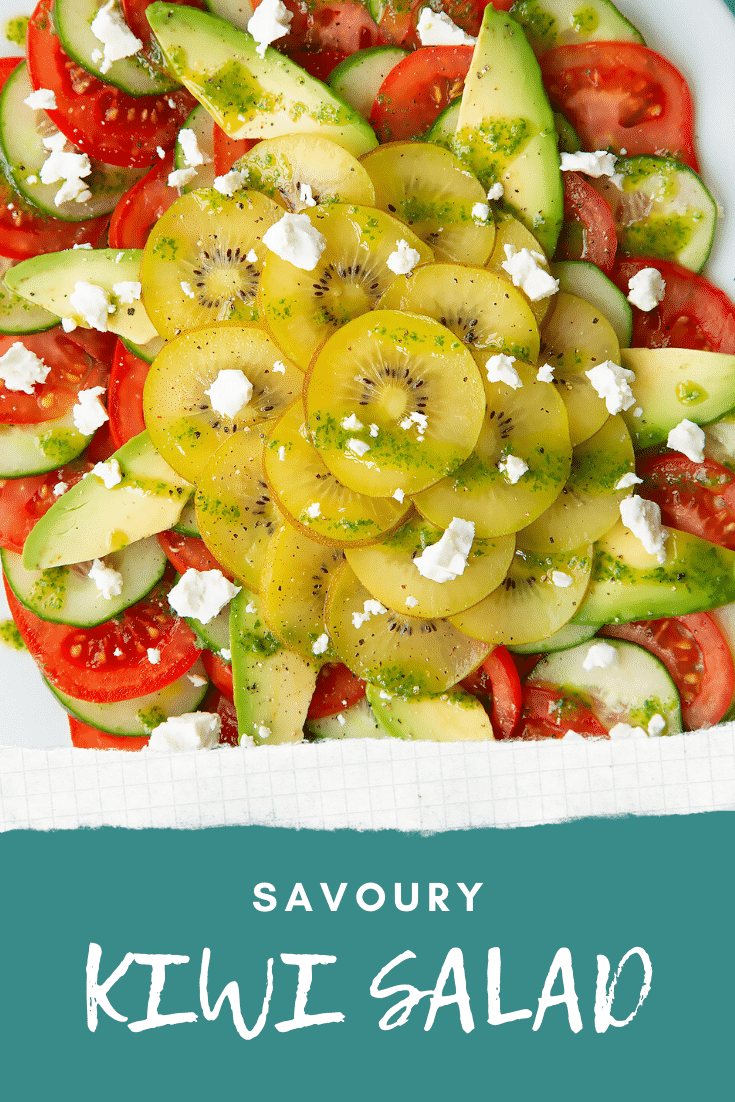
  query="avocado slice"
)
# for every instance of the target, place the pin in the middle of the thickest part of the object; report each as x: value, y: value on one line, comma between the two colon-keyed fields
x: 273, y: 686
x: 90, y: 521
x: 505, y: 130
x: 629, y: 584
x: 249, y: 96
x: 676, y: 383
x: 454, y: 716
x: 358, y: 721
x: 49, y: 279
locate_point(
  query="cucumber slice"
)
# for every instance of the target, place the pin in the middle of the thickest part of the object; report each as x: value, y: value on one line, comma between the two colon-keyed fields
x: 201, y: 123
x: 147, y: 351
x: 676, y: 383
x: 506, y: 129
x: 550, y: 23
x: 67, y: 595
x: 134, y: 75
x: 215, y: 635
x: 358, y: 78
x: 357, y: 721
x: 23, y: 153
x: 237, y: 12
x: 90, y: 521
x: 249, y: 96
x: 38, y: 448
x: 585, y: 280
x: 454, y: 716
x: 444, y: 126
x: 571, y: 635
x: 662, y: 209
x: 140, y: 715
x: 50, y: 279
x: 632, y: 690
x: 17, y: 315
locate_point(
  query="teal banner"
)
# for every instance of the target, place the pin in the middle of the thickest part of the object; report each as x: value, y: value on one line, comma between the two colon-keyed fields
x: 494, y: 974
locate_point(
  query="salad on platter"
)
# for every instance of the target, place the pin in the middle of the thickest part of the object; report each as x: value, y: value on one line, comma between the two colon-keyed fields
x: 358, y: 374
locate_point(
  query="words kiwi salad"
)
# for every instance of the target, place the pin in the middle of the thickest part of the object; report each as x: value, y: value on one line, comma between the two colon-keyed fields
x: 357, y: 375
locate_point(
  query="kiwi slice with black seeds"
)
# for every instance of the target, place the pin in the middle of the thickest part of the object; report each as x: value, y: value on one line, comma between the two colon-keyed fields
x: 302, y: 170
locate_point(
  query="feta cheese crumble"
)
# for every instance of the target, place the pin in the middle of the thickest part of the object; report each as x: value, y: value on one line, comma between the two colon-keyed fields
x: 643, y: 518
x: 687, y: 438
x: 320, y: 645
x: 89, y: 413
x: 646, y: 289
x: 656, y: 725
x: 43, y: 99
x: 561, y: 580
x: 524, y: 267
x: 127, y: 292
x: 92, y: 304
x: 480, y: 212
x: 352, y: 423
x: 21, y: 369
x: 295, y: 240
x: 190, y: 731
x: 228, y: 184
x: 118, y: 41
x: 180, y: 177
x: 497, y: 191
x: 197, y: 679
x: 624, y: 730
x: 369, y: 608
x: 313, y: 510
x: 399, y: 495
x: 419, y: 419
x: 403, y: 259
x: 545, y: 374
x: 252, y: 257
x: 154, y: 656
x: 60, y: 488
x: 201, y: 594
x: 597, y: 164
x: 230, y: 392
x: 446, y: 559
x: 513, y: 468
x: 600, y: 656
x: 612, y: 384
x: 264, y: 732
x: 192, y: 154
x: 69, y: 166
x: 269, y: 22
x: 279, y: 367
x: 628, y: 480
x: 500, y: 370
x: 108, y: 472
x: 435, y: 28
x: 411, y: 602
x: 305, y: 195
x: 187, y: 288
x: 109, y: 582
x: 359, y: 447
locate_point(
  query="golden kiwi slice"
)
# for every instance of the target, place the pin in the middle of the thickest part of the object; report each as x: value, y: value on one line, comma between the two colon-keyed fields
x: 414, y: 391
x: 184, y: 425
x: 202, y: 261
x: 509, y: 231
x: 303, y: 308
x: 486, y: 312
x: 589, y: 504
x: 429, y: 189
x: 540, y: 594
x: 527, y: 424
x: 574, y: 338
x: 389, y: 572
x: 301, y: 170
x: 312, y: 498
x: 403, y: 654
x: 235, y: 511
x: 293, y: 588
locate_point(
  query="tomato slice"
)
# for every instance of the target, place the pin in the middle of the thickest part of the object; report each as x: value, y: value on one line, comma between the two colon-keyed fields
x: 86, y: 737
x: 24, y: 500
x: 547, y: 713
x: 141, y: 206
x: 694, y: 497
x: 217, y: 702
x: 697, y: 656
x: 323, y: 33
x: 589, y: 228
x: 417, y: 89
x: 693, y: 314
x: 336, y: 689
x: 219, y: 672
x: 125, y: 395
x: 620, y: 95
x: 71, y: 371
x: 188, y: 553
x: 100, y: 120
x: 400, y: 17
x: 110, y: 662
x: 497, y: 678
x: 227, y: 150
x: 135, y: 17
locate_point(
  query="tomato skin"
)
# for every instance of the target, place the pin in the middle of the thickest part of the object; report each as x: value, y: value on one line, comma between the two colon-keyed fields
x: 219, y: 673
x: 86, y: 737
x: 417, y: 89
x: 693, y: 314
x: 694, y: 497
x: 498, y: 678
x: 398, y: 24
x: 82, y: 662
x: 336, y: 689
x: 23, y: 501
x: 227, y: 150
x: 100, y: 120
x: 620, y: 95
x: 141, y: 206
x: 125, y: 395
x: 135, y: 17
x: 217, y: 702
x: 188, y: 553
x: 547, y: 713
x: 71, y: 371
x: 586, y: 209
x: 697, y: 656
